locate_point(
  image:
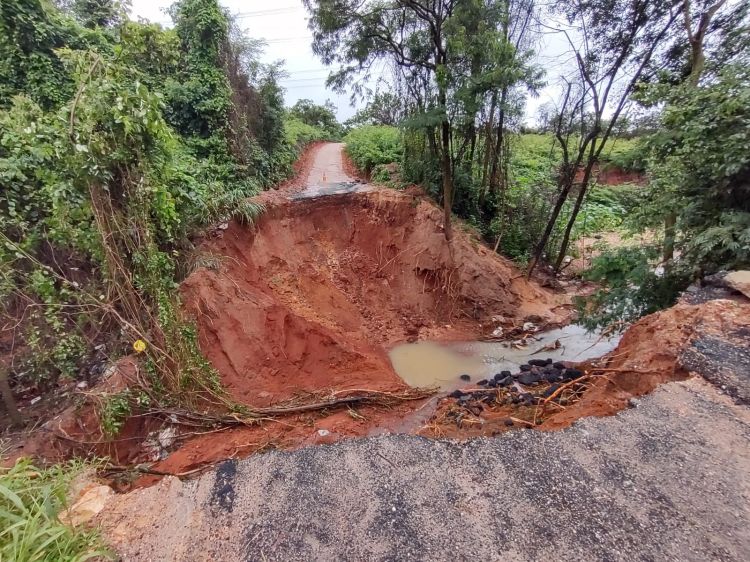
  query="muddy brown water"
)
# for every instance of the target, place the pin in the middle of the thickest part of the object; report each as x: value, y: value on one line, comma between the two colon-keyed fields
x: 429, y: 363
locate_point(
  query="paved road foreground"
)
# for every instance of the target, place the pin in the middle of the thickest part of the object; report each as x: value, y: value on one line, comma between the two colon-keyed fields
x: 665, y: 480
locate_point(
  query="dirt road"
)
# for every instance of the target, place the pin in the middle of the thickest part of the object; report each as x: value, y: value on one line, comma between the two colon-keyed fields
x: 666, y: 480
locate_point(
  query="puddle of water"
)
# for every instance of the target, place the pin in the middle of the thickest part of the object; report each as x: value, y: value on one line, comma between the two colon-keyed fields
x: 427, y: 363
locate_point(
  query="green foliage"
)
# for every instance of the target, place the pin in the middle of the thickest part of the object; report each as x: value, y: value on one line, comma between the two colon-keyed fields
x: 117, y: 146
x: 699, y: 165
x: 30, y: 500
x: 29, y: 35
x: 199, y: 97
x: 700, y: 169
x: 384, y: 108
x: 114, y: 412
x: 630, y: 287
x: 626, y: 154
x: 372, y: 145
x: 606, y: 209
x: 322, y: 117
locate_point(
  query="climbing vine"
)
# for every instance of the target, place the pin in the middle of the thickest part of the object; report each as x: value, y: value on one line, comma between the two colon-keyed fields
x: 119, y: 142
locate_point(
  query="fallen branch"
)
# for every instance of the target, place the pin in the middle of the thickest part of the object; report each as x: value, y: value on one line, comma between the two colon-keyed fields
x: 255, y: 415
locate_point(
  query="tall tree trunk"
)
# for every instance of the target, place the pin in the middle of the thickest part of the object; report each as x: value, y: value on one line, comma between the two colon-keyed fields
x: 567, y: 184
x: 488, y: 143
x: 576, y: 209
x: 499, y: 139
x: 447, y: 179
x: 445, y: 161
x: 8, y: 400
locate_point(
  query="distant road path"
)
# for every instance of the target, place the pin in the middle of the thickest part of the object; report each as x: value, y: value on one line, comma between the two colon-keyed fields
x: 327, y: 175
x: 667, y: 480
x: 328, y: 166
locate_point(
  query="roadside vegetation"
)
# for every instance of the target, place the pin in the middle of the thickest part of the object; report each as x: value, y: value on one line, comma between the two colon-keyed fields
x: 30, y: 501
x: 659, y: 96
x: 120, y: 142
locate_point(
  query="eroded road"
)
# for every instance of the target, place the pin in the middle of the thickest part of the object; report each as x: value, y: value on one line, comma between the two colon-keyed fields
x: 665, y: 480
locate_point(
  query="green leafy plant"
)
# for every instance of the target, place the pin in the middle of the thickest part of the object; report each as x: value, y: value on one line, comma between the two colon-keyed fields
x: 30, y: 501
x: 372, y: 145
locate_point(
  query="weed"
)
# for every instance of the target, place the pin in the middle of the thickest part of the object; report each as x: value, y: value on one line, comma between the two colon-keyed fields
x: 30, y: 500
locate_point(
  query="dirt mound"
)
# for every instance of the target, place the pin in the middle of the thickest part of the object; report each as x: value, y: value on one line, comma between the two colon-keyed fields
x: 313, y: 296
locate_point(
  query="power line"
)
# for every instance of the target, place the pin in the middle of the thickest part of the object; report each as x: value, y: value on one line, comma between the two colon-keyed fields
x: 253, y: 14
x: 285, y: 39
x: 271, y: 12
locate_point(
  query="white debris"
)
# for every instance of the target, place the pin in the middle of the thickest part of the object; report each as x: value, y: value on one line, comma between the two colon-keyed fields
x: 529, y: 327
x: 83, y: 385
x: 158, y: 443
x: 497, y: 332
x: 323, y: 432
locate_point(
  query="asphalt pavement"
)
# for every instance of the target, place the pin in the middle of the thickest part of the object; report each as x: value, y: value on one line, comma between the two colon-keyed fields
x: 665, y: 480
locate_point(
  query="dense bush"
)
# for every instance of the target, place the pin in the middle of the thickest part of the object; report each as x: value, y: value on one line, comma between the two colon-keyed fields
x: 117, y: 145
x: 371, y: 145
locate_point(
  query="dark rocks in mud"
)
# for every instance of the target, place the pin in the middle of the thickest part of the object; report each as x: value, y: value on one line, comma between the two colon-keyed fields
x: 540, y: 362
x: 526, y: 367
x: 551, y: 390
x: 457, y: 394
x: 465, y: 377
x: 507, y: 381
x: 483, y: 382
x: 571, y: 374
x: 529, y: 378
x: 558, y: 365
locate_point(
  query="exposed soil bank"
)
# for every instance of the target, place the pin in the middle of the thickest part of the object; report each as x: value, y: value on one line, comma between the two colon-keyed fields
x: 312, y: 297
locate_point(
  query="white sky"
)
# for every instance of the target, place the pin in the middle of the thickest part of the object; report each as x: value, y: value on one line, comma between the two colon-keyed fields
x: 283, y: 25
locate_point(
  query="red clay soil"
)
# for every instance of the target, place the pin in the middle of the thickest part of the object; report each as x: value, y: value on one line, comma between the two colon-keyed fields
x: 310, y: 299
x: 314, y: 295
x: 612, y: 175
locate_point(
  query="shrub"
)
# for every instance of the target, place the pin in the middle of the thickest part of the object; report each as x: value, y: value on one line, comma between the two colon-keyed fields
x: 371, y: 145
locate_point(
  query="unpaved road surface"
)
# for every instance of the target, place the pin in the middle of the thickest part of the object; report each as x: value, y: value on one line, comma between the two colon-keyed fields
x: 666, y: 480
x: 327, y: 175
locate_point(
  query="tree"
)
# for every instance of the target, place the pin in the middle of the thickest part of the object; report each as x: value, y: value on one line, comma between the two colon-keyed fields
x: 612, y: 57
x: 448, y: 58
x: 321, y: 116
x: 96, y: 13
x: 30, y: 33
x: 696, y: 27
x: 384, y: 108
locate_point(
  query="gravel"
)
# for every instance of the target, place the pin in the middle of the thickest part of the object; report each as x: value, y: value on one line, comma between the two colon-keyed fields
x: 665, y: 480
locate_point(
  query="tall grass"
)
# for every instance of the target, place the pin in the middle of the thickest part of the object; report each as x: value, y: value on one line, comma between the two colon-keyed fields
x: 30, y: 500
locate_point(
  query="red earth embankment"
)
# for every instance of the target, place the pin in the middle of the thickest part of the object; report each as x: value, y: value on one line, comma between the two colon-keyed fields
x: 312, y: 297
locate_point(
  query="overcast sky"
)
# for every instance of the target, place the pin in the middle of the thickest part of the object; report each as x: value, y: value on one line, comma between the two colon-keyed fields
x: 283, y: 24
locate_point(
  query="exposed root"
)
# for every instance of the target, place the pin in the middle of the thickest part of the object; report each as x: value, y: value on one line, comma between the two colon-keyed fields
x: 256, y: 415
